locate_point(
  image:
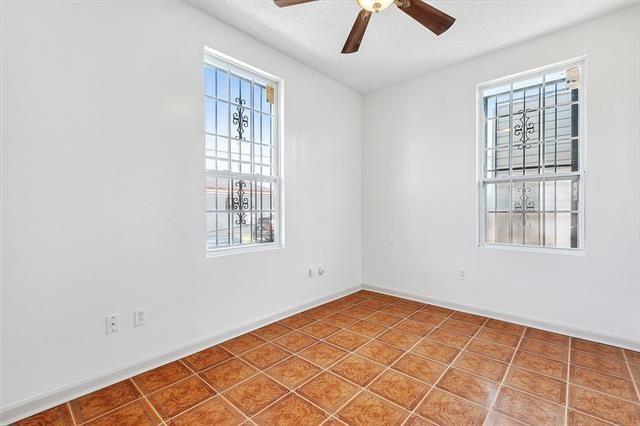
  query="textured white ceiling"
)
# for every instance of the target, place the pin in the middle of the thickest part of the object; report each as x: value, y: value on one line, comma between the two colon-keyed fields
x: 395, y: 47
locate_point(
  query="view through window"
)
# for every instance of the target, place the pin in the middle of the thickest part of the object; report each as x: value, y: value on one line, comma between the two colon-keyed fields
x: 241, y: 157
x: 531, y: 171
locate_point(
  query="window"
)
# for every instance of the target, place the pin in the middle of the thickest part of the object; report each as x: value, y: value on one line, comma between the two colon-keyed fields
x: 531, y: 168
x: 241, y: 157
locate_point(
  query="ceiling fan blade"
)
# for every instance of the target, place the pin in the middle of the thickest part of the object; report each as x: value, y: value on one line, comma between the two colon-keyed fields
x: 436, y: 20
x: 285, y: 3
x: 357, y: 32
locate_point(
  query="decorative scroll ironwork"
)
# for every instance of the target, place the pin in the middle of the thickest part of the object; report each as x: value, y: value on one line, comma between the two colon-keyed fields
x: 239, y: 118
x: 240, y: 203
x: 524, y: 129
x: 524, y: 205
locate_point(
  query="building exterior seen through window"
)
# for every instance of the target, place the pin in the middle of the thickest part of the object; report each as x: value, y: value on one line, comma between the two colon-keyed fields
x: 531, y: 173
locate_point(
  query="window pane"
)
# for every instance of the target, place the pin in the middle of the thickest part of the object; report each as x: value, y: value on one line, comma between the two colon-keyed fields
x: 502, y: 162
x: 210, y: 115
x: 245, y: 92
x: 525, y: 217
x: 490, y: 227
x: 532, y: 121
x: 497, y: 197
x: 490, y: 107
x: 533, y: 230
x: 561, y: 122
x: 497, y: 132
x: 526, y: 95
x: 550, y: 229
x: 490, y: 163
x: 533, y: 159
x: 222, y: 147
x: 556, y: 90
x: 222, y: 85
x: 543, y: 213
x: 257, y: 96
x: 257, y: 129
x: 266, y: 129
x: 502, y: 228
x: 210, y: 145
x: 209, y: 81
x: 222, y: 118
x: 235, y: 88
x: 567, y: 227
x: 265, y: 228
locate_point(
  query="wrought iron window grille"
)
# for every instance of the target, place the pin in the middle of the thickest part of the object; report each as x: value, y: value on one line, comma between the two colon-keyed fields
x: 531, y: 179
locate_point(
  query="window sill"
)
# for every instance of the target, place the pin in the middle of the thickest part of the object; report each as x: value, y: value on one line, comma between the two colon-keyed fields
x: 528, y: 249
x: 242, y: 250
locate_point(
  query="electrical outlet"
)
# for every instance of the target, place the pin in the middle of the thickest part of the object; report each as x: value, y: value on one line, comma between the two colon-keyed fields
x: 321, y: 271
x: 113, y: 323
x: 463, y: 275
x: 312, y: 272
x: 139, y: 317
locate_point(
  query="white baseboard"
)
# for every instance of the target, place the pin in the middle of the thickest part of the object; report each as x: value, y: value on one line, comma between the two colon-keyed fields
x: 529, y: 322
x: 52, y: 398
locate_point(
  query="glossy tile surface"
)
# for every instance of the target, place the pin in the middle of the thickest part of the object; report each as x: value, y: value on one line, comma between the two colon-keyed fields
x: 160, y: 377
x: 180, y: 396
x: 369, y: 359
x: 328, y: 391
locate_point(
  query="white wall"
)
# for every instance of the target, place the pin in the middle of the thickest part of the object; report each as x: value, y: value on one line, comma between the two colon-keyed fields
x: 419, y: 197
x: 103, y: 189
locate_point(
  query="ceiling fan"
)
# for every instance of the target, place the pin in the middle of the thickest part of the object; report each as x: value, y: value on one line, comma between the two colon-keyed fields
x: 432, y: 18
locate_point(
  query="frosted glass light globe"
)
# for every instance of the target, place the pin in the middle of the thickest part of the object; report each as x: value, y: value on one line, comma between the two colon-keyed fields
x: 374, y: 5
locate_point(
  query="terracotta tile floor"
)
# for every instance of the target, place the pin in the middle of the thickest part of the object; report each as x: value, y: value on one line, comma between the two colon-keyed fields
x: 369, y: 359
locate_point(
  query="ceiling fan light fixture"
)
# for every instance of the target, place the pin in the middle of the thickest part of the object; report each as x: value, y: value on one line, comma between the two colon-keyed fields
x: 375, y: 5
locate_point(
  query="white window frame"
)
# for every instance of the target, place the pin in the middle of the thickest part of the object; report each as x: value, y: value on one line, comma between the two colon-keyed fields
x: 218, y: 59
x: 581, y: 172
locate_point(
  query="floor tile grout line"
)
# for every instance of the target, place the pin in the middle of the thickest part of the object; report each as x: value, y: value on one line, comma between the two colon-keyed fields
x: 216, y: 393
x: 608, y: 357
x: 73, y: 417
x: 607, y: 395
x: 510, y: 366
x: 506, y: 373
x: 147, y: 401
x: 329, y: 371
x: 636, y: 403
x: 364, y: 388
x: 190, y: 376
x: 568, y: 383
x: 595, y: 418
x: 258, y: 372
x: 228, y: 401
x: 633, y: 380
x: 294, y: 391
x: 449, y: 366
x: 567, y: 393
x: 197, y: 375
x: 111, y: 411
x: 584, y: 367
x: 529, y: 369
